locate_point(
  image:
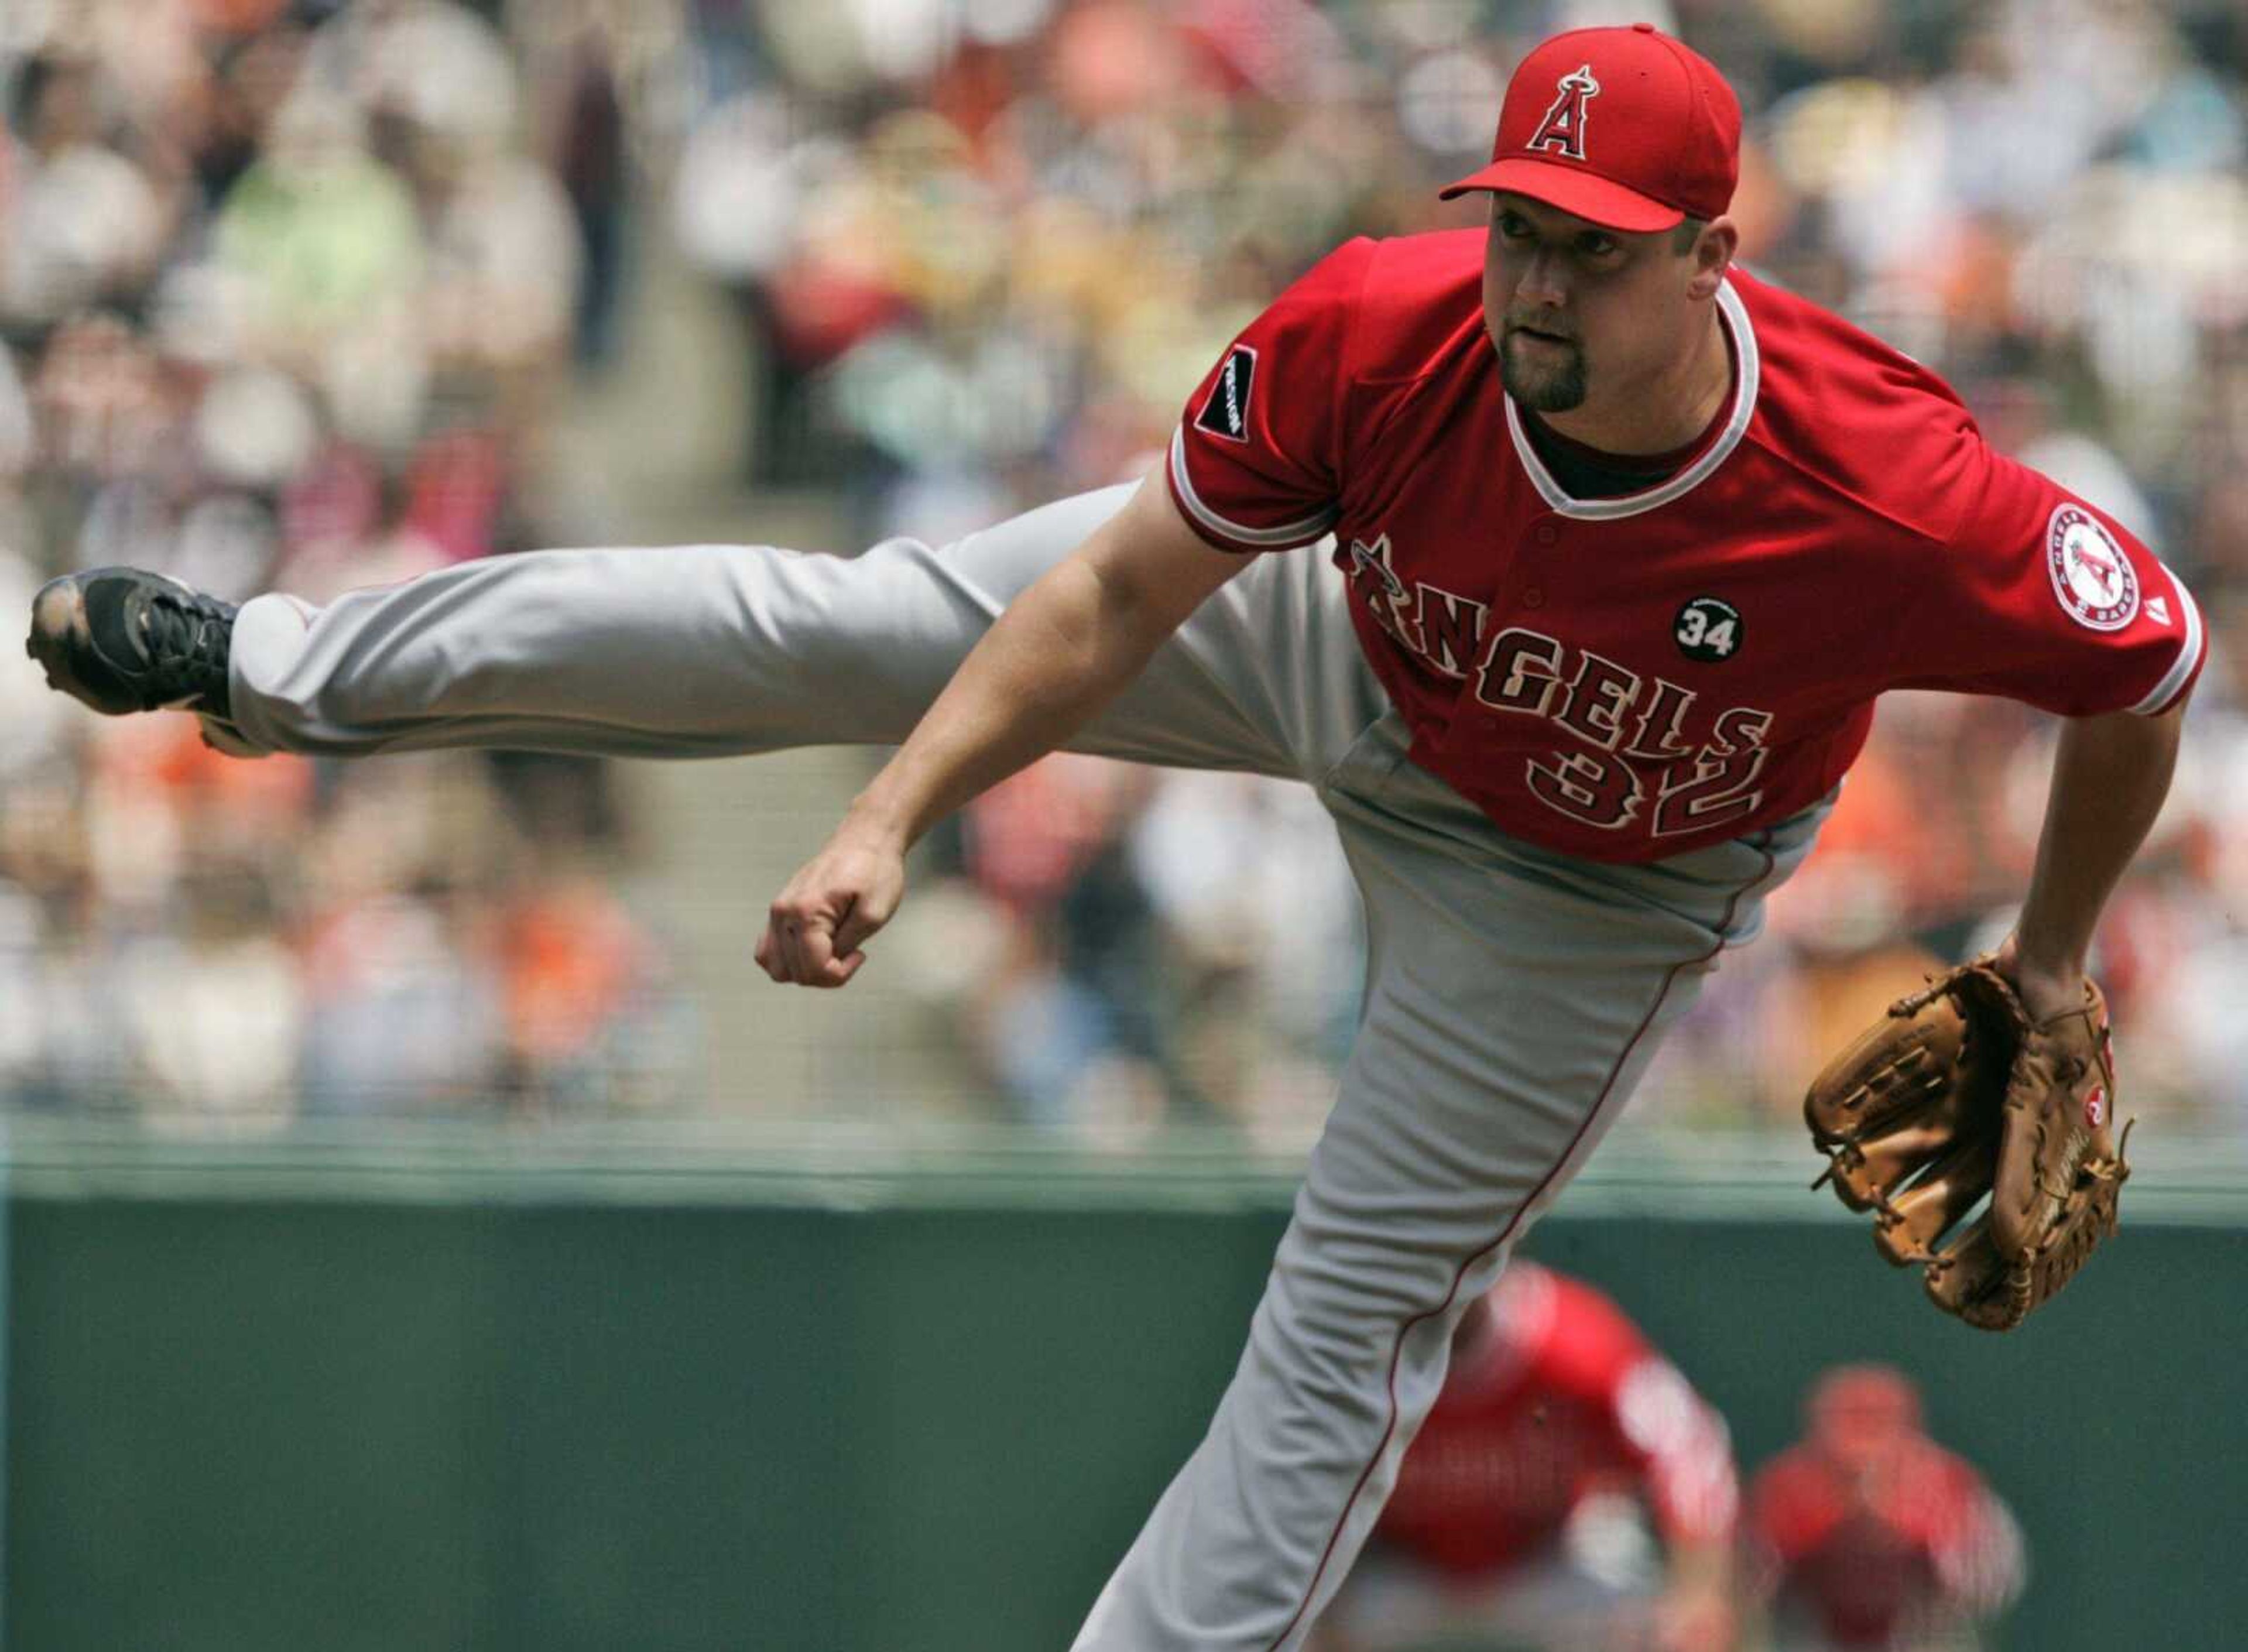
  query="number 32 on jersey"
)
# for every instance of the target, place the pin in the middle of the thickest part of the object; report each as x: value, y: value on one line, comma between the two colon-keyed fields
x: 1635, y: 760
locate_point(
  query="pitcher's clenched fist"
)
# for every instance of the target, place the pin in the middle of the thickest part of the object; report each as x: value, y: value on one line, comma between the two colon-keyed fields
x: 822, y: 917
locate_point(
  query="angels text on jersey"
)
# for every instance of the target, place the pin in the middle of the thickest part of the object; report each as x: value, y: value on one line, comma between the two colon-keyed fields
x: 1632, y: 746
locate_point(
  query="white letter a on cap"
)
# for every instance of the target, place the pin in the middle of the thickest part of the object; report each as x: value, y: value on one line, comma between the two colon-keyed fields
x: 1563, y: 128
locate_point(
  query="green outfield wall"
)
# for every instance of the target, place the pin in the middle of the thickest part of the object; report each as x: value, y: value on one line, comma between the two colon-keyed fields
x: 691, y: 1408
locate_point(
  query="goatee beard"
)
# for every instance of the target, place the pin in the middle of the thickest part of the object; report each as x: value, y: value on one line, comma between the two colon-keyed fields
x: 1559, y: 388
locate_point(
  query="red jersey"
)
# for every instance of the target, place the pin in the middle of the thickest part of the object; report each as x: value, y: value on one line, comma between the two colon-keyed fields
x: 1865, y: 1565
x: 1561, y: 1399
x: 1629, y: 678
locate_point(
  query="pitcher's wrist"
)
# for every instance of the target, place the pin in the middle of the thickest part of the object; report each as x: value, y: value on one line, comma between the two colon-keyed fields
x: 878, y: 822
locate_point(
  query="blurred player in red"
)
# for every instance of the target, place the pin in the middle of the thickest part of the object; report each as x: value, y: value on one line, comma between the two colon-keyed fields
x: 1568, y: 1489
x: 1869, y: 1535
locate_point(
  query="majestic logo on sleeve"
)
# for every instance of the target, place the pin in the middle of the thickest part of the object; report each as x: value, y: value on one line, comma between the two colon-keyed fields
x: 1226, y: 413
x: 2091, y: 575
x: 1562, y: 131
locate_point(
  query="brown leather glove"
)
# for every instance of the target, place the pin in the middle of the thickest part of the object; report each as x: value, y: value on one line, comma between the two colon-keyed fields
x: 1957, y: 1092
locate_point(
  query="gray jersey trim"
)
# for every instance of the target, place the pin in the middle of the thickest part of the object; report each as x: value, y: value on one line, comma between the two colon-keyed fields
x: 1289, y: 534
x: 2188, y: 653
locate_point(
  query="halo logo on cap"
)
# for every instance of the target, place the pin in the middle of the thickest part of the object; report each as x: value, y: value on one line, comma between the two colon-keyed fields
x: 1562, y: 131
x: 1670, y: 131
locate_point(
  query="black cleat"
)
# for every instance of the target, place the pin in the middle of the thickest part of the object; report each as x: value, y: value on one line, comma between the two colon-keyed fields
x: 121, y: 639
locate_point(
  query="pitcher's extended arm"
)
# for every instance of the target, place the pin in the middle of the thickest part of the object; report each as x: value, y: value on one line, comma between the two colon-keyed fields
x: 1057, y: 654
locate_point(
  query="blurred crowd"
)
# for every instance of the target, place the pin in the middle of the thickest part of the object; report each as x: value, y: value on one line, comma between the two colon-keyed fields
x: 286, y: 291
x: 291, y: 288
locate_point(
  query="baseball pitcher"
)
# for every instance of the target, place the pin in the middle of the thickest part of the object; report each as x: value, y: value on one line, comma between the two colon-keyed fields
x: 1563, y: 559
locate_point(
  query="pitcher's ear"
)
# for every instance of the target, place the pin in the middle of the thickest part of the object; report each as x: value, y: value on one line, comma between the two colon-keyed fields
x: 1712, y: 253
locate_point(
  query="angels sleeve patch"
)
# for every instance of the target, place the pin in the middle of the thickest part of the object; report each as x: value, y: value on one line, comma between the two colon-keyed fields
x: 2091, y: 575
x: 1226, y: 413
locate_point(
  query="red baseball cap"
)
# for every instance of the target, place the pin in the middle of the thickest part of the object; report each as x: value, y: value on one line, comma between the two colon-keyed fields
x: 1626, y: 128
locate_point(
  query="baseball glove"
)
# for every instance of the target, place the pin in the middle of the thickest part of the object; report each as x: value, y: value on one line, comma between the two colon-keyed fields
x: 1958, y: 1093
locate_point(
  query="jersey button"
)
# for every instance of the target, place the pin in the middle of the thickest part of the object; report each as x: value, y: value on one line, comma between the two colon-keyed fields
x: 1533, y: 598
x: 1546, y: 533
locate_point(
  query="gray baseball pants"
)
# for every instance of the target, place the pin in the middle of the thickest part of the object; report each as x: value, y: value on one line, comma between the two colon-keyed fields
x: 1513, y: 995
